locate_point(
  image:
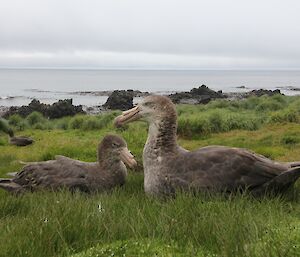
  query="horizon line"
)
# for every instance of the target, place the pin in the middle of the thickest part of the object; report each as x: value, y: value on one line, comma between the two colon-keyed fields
x: 148, y: 69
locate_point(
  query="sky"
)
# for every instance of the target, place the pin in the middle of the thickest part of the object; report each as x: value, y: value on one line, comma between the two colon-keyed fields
x: 150, y: 34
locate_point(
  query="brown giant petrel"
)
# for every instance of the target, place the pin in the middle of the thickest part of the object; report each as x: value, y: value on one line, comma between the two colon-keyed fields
x: 168, y: 167
x: 109, y: 171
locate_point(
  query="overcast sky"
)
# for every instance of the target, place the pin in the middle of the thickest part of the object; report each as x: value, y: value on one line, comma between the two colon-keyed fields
x: 154, y: 34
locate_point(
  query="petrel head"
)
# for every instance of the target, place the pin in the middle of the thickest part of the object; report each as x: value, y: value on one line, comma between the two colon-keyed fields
x: 115, y: 147
x: 151, y: 109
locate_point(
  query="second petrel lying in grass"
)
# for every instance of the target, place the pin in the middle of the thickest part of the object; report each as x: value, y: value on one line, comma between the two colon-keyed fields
x: 109, y: 171
x: 20, y: 140
x: 168, y: 167
x: 13, y: 140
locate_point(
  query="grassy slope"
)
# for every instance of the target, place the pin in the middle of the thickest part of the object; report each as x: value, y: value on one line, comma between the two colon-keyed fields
x: 125, y: 221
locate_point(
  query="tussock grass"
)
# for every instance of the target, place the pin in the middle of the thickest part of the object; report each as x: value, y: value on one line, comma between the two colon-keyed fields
x: 4, y: 127
x: 34, y: 118
x: 249, y: 114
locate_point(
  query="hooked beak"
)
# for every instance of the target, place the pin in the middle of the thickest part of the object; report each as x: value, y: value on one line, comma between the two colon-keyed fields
x: 127, y: 157
x: 128, y: 116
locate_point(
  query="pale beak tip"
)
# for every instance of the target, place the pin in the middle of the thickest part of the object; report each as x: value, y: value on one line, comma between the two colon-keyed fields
x: 134, y: 163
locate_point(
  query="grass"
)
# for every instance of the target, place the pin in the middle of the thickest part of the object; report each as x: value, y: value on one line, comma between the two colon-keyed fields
x: 223, y: 115
x: 125, y: 222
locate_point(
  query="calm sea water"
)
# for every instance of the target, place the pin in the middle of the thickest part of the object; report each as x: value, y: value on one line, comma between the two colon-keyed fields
x: 18, y: 87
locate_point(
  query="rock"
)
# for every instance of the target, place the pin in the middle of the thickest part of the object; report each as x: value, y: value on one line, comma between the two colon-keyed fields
x: 204, y: 90
x: 120, y: 100
x: 123, y: 99
x: 59, y: 109
x: 62, y: 108
x: 200, y: 95
x: 136, y: 93
x: 258, y: 93
x: 25, y: 110
x: 261, y: 92
x: 291, y: 88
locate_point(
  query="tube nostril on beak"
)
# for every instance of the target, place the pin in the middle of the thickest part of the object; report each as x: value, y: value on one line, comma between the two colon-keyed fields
x: 127, y: 116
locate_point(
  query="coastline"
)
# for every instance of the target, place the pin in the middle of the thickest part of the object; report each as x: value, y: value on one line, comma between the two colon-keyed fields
x: 185, y: 97
x: 91, y: 88
x: 48, y: 97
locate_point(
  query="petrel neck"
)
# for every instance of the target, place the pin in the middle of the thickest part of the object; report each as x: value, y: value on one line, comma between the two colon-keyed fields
x: 162, y: 135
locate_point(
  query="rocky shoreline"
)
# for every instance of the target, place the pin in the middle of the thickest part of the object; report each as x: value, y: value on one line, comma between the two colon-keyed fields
x: 123, y: 100
x: 135, y: 93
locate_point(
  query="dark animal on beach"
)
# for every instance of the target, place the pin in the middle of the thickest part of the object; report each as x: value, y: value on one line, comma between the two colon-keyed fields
x: 108, y: 172
x: 168, y: 167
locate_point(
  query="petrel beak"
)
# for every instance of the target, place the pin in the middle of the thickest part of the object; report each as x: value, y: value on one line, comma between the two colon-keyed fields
x: 127, y: 157
x: 128, y: 116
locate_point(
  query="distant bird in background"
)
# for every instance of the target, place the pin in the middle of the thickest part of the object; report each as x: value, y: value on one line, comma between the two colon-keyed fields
x: 13, y: 140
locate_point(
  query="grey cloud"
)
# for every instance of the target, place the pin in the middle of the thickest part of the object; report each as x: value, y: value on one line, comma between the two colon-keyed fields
x: 135, y: 33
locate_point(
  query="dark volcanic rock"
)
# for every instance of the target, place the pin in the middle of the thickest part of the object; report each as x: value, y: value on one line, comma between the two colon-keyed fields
x: 136, y: 93
x: 25, y: 110
x: 57, y: 110
x: 261, y: 92
x: 291, y: 88
x: 258, y: 93
x: 63, y: 108
x: 200, y: 95
x: 120, y: 100
x: 34, y: 105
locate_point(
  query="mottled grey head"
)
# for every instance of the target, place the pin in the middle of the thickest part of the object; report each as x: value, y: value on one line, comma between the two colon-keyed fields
x: 153, y: 108
x: 113, y: 148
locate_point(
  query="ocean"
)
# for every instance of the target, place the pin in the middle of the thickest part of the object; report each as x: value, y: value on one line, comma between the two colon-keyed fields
x: 20, y: 86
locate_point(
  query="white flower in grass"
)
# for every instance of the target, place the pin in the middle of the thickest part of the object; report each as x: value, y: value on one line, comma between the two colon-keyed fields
x: 100, y: 208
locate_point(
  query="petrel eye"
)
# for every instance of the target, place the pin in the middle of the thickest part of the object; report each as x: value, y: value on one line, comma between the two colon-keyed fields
x: 114, y: 144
